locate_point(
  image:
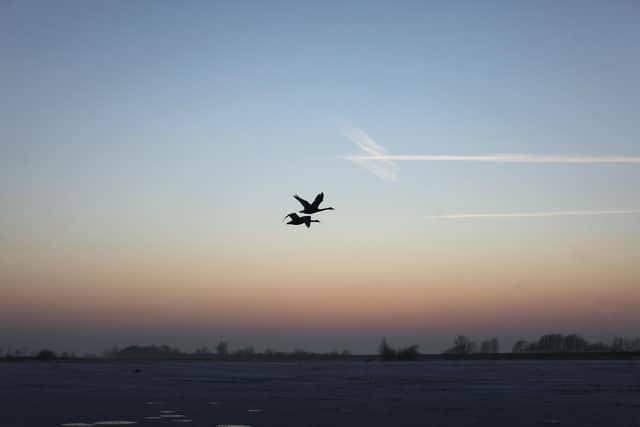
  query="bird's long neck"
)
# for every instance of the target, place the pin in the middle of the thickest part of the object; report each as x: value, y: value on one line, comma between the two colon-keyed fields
x: 325, y: 209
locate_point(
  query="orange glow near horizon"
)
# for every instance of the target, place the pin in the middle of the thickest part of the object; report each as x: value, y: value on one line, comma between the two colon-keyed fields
x: 449, y: 281
x: 274, y: 297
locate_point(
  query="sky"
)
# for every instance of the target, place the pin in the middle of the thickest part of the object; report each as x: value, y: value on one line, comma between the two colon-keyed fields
x: 483, y: 162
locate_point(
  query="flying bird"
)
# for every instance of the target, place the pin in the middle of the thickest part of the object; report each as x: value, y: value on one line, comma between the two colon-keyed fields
x: 298, y: 220
x: 311, y: 208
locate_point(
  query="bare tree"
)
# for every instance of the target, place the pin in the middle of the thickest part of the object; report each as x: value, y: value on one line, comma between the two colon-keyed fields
x: 461, y: 345
x: 521, y: 346
x: 409, y: 353
x: 202, y: 351
x: 575, y: 343
x: 490, y: 346
x: 625, y: 344
x: 222, y: 349
x: 386, y: 351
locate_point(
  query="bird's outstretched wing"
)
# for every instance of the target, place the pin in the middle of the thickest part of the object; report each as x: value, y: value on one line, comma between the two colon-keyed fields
x: 302, y: 201
x: 293, y: 216
x: 319, y: 198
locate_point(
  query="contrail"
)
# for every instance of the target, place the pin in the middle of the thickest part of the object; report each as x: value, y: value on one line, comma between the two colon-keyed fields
x: 375, y: 160
x: 536, y: 214
x: 497, y: 158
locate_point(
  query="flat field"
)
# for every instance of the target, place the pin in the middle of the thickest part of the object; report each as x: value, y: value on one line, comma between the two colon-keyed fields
x: 321, y: 393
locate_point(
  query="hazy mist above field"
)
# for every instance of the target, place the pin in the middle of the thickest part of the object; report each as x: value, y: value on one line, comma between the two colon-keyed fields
x: 482, y: 160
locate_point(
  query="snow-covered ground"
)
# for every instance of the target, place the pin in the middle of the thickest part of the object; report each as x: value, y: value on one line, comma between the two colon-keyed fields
x: 320, y: 393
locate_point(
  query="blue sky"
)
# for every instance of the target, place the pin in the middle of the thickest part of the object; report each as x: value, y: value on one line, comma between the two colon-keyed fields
x: 173, y: 131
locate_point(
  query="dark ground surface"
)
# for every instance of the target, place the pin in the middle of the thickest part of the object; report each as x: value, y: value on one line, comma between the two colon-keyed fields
x: 323, y: 393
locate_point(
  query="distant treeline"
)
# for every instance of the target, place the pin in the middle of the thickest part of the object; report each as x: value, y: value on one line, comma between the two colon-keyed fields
x: 222, y: 351
x: 572, y: 343
x: 150, y: 352
x: 549, y: 344
x: 546, y: 344
x: 44, y: 354
x: 387, y: 352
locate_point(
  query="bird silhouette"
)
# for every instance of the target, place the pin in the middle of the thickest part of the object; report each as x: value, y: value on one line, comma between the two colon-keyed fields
x: 311, y: 208
x: 298, y: 220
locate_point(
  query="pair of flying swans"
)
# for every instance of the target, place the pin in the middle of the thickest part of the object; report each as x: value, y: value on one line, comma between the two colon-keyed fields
x: 309, y: 208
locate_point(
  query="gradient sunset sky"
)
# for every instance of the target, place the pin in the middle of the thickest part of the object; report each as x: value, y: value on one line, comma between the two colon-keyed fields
x: 149, y: 151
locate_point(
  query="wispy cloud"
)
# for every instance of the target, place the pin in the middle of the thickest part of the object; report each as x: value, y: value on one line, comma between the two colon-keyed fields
x: 376, y: 159
x: 536, y: 214
x: 499, y: 158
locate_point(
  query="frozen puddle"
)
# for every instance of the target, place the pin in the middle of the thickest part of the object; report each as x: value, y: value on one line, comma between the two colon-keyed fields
x: 182, y: 420
x: 254, y: 411
x: 154, y: 402
x: 168, y: 411
x: 213, y: 403
x: 153, y: 418
x: 76, y: 424
x: 172, y: 416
